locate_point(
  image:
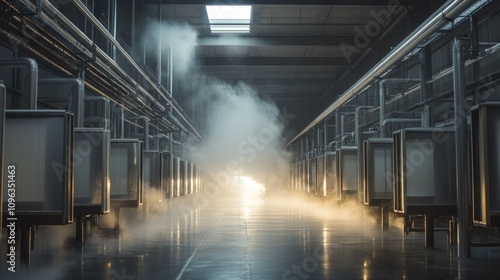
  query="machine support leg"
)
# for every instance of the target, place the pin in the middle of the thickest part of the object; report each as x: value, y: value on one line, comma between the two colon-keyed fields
x: 79, y: 229
x: 33, y: 237
x: 117, y: 219
x: 384, y: 213
x: 429, y: 231
x: 26, y: 244
x: 95, y: 220
x: 452, y: 234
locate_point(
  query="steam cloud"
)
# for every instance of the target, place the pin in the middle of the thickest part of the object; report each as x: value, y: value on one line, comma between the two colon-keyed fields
x: 243, y: 134
x: 242, y: 131
x: 181, y: 37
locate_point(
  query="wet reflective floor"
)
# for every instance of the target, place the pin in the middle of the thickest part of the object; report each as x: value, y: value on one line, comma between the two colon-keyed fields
x: 238, y: 234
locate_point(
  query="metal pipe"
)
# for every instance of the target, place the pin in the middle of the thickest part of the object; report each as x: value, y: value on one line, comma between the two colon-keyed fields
x: 382, y: 99
x: 106, y: 112
x: 463, y: 188
x: 359, y: 144
x: 342, y: 126
x: 121, y: 122
x: 62, y: 20
x: 318, y: 138
x: 163, y: 136
x: 330, y: 144
x: 345, y: 137
x: 342, y: 130
x: 133, y: 47
x: 145, y: 132
x: 159, y: 46
x: 80, y: 94
x: 114, y: 11
x: 370, y: 132
x: 441, y: 17
x: 400, y: 121
x: 29, y: 90
x: 171, y: 70
x: 337, y: 127
x: 325, y: 133
x: 123, y: 52
x: 356, y: 124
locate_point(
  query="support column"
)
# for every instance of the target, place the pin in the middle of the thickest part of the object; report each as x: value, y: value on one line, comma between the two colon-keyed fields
x: 463, y: 185
x: 359, y: 144
x: 425, y: 87
x: 159, y: 50
x: 381, y: 109
x: 338, y: 137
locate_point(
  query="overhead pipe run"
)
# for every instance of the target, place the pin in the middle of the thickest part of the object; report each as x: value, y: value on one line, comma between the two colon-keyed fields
x: 357, y: 125
x: 145, y: 130
x: 442, y: 16
x: 30, y: 90
x: 382, y: 95
x: 53, y: 11
x: 342, y: 127
x: 344, y: 137
x: 80, y: 94
x: 330, y: 145
x: 400, y: 121
x: 129, y: 59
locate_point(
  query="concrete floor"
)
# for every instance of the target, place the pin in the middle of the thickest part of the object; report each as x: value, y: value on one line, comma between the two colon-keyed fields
x: 239, y: 234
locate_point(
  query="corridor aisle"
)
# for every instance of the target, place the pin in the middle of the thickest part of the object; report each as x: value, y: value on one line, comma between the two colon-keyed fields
x: 239, y: 233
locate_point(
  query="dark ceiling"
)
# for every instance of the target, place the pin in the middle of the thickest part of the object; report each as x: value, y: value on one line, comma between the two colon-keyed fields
x: 301, y: 54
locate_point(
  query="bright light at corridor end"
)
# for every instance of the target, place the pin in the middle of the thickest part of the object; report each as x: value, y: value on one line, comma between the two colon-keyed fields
x: 229, y: 19
x: 250, y: 187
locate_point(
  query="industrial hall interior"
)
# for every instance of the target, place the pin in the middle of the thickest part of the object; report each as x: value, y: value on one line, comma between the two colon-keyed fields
x: 254, y: 140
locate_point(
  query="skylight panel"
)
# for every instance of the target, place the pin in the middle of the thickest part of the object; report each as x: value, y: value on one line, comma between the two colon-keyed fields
x: 229, y: 19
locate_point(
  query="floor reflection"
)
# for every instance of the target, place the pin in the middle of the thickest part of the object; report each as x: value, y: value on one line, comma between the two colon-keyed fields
x: 245, y: 233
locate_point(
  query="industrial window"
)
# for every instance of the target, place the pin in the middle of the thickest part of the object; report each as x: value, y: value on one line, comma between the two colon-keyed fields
x: 229, y: 19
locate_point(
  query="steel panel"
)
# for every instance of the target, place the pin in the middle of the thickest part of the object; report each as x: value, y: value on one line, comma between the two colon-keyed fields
x: 321, y: 176
x: 425, y: 173
x: 153, y: 175
x: 347, y: 180
x: 92, y: 187
x: 167, y: 183
x: 177, y: 176
x: 331, y: 174
x: 39, y: 143
x: 126, y: 172
x: 486, y: 165
x: 377, y: 175
x: 312, y: 176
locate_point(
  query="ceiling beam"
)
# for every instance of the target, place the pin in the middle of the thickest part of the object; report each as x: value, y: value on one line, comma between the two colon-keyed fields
x: 271, y: 61
x: 245, y: 40
x: 271, y: 2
